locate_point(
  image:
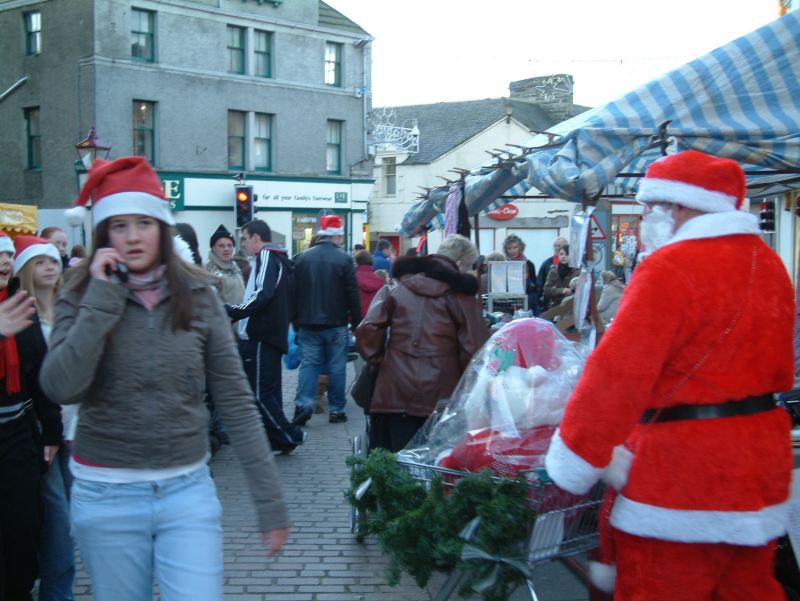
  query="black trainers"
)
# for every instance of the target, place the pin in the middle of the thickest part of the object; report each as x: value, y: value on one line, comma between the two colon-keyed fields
x: 292, y: 447
x: 301, y: 416
x: 337, y: 418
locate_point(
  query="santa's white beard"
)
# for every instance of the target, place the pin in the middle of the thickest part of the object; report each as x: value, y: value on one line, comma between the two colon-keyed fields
x: 658, y: 226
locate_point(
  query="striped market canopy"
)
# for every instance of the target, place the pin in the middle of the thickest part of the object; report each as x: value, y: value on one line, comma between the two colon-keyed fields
x: 741, y: 101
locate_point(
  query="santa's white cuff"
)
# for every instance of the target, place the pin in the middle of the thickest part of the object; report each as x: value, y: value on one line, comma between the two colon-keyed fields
x: 568, y: 469
x: 616, y: 473
x: 603, y: 576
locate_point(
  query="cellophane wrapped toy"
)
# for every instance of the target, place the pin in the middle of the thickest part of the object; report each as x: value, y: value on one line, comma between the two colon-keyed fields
x: 507, y: 404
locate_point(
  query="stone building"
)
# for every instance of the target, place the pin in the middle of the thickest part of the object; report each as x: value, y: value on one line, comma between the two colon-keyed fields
x: 205, y: 89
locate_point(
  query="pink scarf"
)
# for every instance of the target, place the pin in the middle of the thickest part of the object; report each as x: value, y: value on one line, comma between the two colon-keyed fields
x: 147, y: 287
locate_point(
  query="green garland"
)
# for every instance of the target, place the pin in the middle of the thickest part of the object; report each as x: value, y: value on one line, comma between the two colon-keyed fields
x: 418, y: 525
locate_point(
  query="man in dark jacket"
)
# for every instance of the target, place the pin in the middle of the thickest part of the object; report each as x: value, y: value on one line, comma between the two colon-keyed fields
x: 327, y: 298
x: 263, y: 329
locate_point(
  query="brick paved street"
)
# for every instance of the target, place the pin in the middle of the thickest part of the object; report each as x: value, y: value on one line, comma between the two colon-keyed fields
x: 322, y: 561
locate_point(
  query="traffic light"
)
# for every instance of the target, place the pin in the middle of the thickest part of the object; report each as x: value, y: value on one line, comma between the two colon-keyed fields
x: 766, y: 218
x: 244, y: 205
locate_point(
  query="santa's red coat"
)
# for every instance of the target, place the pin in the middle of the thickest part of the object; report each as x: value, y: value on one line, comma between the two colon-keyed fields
x: 704, y: 320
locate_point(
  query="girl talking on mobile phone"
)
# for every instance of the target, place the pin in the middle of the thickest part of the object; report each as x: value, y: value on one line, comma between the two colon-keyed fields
x: 137, y: 356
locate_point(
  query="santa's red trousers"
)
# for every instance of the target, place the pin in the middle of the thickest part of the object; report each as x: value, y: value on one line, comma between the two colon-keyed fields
x: 655, y: 570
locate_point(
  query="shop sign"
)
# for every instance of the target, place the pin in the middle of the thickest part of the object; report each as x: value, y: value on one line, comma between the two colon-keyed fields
x: 173, y: 190
x: 503, y: 213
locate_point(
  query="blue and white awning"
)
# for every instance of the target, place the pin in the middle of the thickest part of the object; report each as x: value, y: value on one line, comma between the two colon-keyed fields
x: 741, y: 101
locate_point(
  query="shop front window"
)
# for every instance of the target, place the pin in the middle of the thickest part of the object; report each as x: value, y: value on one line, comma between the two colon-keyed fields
x: 304, y: 226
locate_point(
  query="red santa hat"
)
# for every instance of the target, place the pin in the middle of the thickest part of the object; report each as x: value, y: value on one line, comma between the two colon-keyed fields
x: 125, y: 186
x: 28, y: 247
x: 6, y: 244
x: 694, y: 180
x: 331, y: 225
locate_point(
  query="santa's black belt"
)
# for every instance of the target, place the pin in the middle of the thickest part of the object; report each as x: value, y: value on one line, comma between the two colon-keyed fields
x: 746, y: 406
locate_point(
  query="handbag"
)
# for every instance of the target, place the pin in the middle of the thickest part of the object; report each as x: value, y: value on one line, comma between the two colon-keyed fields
x: 364, y: 386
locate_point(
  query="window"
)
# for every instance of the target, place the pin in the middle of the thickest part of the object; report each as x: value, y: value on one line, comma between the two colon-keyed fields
x: 333, y: 64
x: 390, y: 175
x: 33, y: 32
x: 144, y: 130
x: 235, y: 49
x: 143, y: 35
x: 333, y: 155
x: 263, y: 53
x: 263, y: 142
x: 34, y: 138
x: 236, y: 139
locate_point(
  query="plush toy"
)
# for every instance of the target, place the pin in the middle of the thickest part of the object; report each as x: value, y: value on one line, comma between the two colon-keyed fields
x: 503, y: 412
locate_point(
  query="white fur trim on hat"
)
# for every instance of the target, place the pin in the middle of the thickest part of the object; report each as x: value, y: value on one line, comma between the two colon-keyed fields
x: 132, y: 203
x: 569, y: 470
x: 603, y: 576
x: 76, y: 215
x: 332, y: 231
x: 36, y: 250
x: 182, y: 249
x: 687, y: 195
x: 6, y: 245
x: 749, y: 528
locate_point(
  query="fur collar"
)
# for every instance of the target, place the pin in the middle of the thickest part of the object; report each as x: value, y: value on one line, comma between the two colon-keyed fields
x: 437, y: 267
x: 714, y: 225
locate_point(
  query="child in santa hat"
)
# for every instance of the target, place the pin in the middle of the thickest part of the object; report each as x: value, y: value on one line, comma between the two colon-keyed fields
x: 37, y: 266
x: 136, y: 348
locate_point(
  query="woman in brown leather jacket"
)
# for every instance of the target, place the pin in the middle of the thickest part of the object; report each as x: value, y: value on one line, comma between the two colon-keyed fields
x: 423, y: 333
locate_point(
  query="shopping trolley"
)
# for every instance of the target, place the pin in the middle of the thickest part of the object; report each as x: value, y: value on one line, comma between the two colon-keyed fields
x: 565, y: 527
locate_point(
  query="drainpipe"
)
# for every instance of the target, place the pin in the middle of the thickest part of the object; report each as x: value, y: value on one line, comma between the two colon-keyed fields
x: 20, y: 82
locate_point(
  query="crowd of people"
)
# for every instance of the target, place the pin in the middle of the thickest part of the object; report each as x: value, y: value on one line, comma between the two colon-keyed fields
x: 109, y: 357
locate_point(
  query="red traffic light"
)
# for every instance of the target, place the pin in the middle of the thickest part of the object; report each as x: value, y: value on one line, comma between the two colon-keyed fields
x: 242, y: 197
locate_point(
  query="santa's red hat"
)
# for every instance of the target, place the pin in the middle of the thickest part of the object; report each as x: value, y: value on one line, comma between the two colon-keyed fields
x: 331, y: 225
x: 28, y: 247
x: 6, y: 244
x: 125, y: 186
x: 694, y: 180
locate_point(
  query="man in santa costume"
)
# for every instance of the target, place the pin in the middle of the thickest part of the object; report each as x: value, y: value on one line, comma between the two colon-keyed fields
x: 684, y: 380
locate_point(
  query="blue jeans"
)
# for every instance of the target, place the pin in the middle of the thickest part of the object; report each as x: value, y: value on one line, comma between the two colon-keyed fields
x: 127, y: 533
x: 56, y: 552
x: 321, y: 351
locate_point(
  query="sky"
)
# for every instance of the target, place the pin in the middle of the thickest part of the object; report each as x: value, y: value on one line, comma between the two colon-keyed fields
x: 428, y: 51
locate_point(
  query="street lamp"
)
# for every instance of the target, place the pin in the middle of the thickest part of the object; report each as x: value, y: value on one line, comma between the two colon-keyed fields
x: 91, y: 148
x: 88, y: 150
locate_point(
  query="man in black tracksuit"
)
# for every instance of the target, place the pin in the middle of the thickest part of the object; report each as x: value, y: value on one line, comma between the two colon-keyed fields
x: 263, y: 330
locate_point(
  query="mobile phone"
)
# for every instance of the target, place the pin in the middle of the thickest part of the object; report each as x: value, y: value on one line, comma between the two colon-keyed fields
x: 121, y: 271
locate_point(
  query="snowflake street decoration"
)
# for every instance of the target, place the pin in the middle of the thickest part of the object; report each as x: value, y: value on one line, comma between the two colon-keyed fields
x: 553, y: 88
x: 388, y: 135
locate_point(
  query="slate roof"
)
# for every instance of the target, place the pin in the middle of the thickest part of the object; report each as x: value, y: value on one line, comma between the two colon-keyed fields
x: 330, y: 17
x: 445, y: 125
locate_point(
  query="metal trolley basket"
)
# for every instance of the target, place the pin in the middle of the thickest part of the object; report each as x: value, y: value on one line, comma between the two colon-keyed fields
x: 566, y: 525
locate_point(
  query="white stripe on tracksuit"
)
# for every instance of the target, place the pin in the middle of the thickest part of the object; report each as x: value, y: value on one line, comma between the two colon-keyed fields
x: 254, y: 284
x: 261, y: 405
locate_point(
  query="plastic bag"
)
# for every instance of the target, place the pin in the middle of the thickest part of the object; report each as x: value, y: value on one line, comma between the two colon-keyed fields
x: 504, y: 409
x: 291, y: 360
